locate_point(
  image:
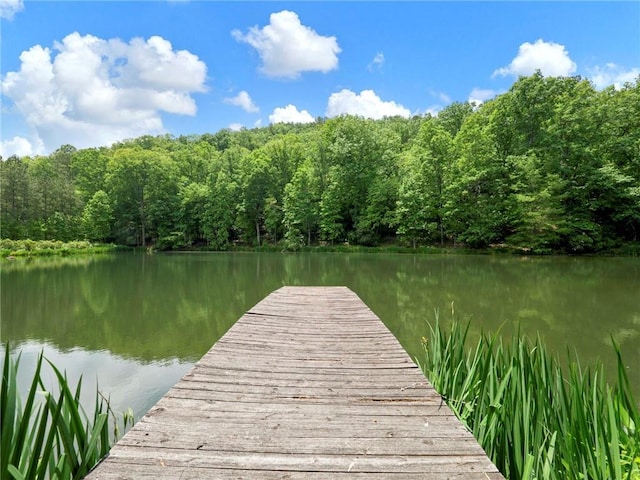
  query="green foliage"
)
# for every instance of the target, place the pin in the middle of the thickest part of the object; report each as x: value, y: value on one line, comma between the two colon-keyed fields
x: 50, y: 437
x: 29, y: 248
x: 300, y: 208
x: 256, y: 183
x: 97, y: 217
x: 552, y: 165
x: 88, y: 168
x: 425, y: 178
x: 193, y: 209
x: 412, y: 219
x: 14, y: 197
x: 143, y: 187
x: 452, y: 117
x: 534, y: 418
x: 221, y: 211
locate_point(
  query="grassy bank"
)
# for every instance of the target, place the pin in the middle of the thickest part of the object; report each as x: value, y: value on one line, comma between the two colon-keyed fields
x: 32, y: 248
x: 49, y: 435
x: 628, y: 250
x: 534, y: 418
x: 342, y: 248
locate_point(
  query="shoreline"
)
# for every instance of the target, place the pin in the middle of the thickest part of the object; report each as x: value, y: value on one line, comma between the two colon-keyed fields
x: 13, y: 249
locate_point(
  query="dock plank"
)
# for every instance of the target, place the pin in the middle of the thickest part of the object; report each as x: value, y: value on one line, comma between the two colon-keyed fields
x: 308, y: 384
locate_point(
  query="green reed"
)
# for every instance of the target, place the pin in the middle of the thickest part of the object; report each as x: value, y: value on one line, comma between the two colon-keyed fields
x: 535, y: 418
x: 50, y: 435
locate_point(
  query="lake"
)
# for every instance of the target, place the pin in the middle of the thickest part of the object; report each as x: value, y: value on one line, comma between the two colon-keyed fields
x: 136, y: 323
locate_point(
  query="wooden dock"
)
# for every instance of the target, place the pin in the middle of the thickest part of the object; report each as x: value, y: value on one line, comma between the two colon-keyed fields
x: 308, y: 384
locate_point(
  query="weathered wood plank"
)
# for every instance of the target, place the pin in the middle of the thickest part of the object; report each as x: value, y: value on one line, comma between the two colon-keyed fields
x: 435, y: 428
x: 334, y: 392
x: 308, y: 384
x: 302, y: 462
x: 172, y: 401
x: 267, y: 443
x: 120, y: 471
x: 310, y: 379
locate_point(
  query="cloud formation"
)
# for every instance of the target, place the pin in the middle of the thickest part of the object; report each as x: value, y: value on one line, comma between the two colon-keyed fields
x: 87, y: 91
x: 612, y: 74
x: 288, y: 48
x: 366, y: 104
x: 290, y: 114
x: 19, y: 146
x: 243, y: 100
x: 480, y: 95
x: 552, y: 59
x: 443, y: 97
x: 377, y: 63
x: 433, y: 110
x: 8, y: 8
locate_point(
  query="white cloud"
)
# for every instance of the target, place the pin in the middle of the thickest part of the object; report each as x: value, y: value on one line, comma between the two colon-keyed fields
x: 552, y: 59
x: 290, y: 114
x: 288, y: 48
x: 377, y: 63
x: 366, y: 104
x: 18, y: 146
x: 612, y: 74
x: 434, y: 110
x: 8, y: 8
x: 443, y: 97
x: 480, y: 95
x: 243, y: 100
x: 87, y: 91
x: 236, y: 127
x: 258, y: 123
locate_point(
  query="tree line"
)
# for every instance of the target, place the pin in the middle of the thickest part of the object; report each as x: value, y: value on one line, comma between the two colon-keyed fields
x: 552, y: 165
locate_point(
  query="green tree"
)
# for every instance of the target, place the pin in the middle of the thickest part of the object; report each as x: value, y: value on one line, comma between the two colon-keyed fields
x: 256, y: 182
x: 569, y: 156
x: 618, y: 116
x: 273, y: 218
x: 354, y: 152
x: 412, y: 219
x: 300, y: 207
x: 481, y: 203
x: 53, y: 204
x: 452, y: 117
x: 221, y: 211
x: 424, y: 178
x: 332, y: 204
x: 143, y: 187
x: 194, y: 160
x: 88, y: 169
x: 193, y: 199
x: 97, y: 217
x: 14, y: 197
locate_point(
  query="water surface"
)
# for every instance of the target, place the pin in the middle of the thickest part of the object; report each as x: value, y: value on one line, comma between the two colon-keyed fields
x: 137, y: 322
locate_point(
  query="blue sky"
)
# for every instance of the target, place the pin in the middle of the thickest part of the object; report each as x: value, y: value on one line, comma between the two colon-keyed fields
x: 91, y: 73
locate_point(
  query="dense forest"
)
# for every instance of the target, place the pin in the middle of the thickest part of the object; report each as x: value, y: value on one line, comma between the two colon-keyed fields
x: 552, y: 165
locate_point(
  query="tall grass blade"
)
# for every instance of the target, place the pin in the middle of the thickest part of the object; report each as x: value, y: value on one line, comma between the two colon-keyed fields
x: 51, y: 437
x: 533, y: 417
x: 23, y: 427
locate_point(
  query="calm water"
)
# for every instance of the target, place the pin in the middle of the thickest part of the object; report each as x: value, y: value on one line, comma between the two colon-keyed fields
x: 137, y: 322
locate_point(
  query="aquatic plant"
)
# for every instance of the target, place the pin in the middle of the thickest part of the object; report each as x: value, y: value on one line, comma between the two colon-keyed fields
x: 50, y: 435
x: 535, y: 417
